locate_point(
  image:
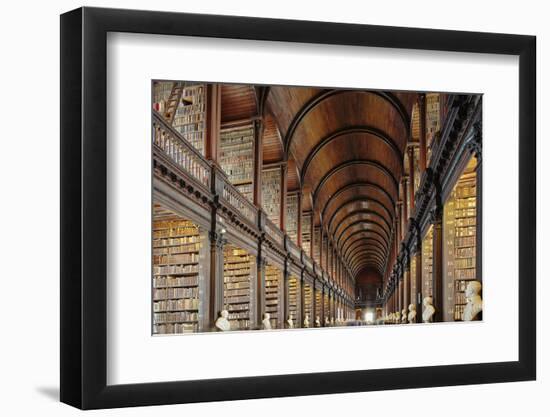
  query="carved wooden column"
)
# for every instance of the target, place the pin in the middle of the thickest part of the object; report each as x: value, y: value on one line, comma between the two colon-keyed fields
x: 282, y: 215
x: 213, y: 121
x: 437, y: 259
x: 423, y: 149
x: 302, y: 304
x: 322, y: 318
x: 286, y: 276
x: 258, y: 157
x: 412, y: 174
x: 215, y: 304
x: 299, y: 220
x: 261, y: 263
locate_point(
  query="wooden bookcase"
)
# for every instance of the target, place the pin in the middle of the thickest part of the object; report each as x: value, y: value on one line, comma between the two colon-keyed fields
x: 308, y: 304
x: 237, y: 157
x: 190, y: 116
x: 317, y: 244
x: 273, y: 279
x: 271, y: 194
x: 432, y: 121
x: 306, y: 233
x: 326, y: 302
x: 318, y: 305
x: 427, y: 264
x: 460, y: 227
x: 293, y: 299
x: 414, y: 293
x: 292, y: 216
x: 161, y: 93
x: 177, y: 255
x: 237, y: 277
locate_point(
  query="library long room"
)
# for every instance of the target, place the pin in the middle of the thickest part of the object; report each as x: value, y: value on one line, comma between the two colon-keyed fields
x: 280, y: 207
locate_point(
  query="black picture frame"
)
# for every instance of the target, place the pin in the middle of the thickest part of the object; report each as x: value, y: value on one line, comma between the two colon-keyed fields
x: 84, y: 207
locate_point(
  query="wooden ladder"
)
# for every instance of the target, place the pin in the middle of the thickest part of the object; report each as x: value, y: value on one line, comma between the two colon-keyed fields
x: 173, y: 101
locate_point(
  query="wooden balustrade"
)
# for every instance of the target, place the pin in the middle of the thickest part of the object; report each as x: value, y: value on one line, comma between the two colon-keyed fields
x: 181, y: 152
x: 274, y: 232
x: 239, y: 202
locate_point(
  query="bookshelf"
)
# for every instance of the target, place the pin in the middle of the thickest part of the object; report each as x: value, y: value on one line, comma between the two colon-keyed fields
x: 292, y: 217
x: 271, y: 194
x: 316, y: 244
x: 190, y: 116
x: 414, y: 296
x: 293, y: 299
x: 237, y: 157
x: 427, y: 264
x: 432, y: 121
x: 326, y: 303
x: 161, y: 93
x: 306, y: 234
x: 459, y: 260
x: 238, y: 265
x: 308, y: 304
x: 176, y: 275
x: 273, y: 279
x: 318, y: 301
x: 417, y: 173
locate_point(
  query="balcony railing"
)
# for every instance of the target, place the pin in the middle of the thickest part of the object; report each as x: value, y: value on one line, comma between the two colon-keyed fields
x: 239, y: 202
x: 274, y: 232
x: 292, y: 248
x: 182, y: 153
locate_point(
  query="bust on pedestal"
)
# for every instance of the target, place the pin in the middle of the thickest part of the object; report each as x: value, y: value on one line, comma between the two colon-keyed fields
x: 266, y: 323
x: 290, y: 322
x: 429, y: 310
x: 222, y: 323
x: 412, y: 313
x: 317, y: 321
x: 306, y: 321
x: 397, y: 317
x: 474, y: 303
x: 404, y: 316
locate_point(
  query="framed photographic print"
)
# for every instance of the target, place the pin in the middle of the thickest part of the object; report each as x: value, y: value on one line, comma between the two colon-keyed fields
x: 258, y: 208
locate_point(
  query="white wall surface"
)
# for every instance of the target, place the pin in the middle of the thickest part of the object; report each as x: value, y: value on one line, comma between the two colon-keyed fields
x: 29, y: 175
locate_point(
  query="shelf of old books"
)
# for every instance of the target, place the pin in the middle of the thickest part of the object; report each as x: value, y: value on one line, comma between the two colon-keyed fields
x: 308, y: 304
x: 161, y: 93
x: 293, y: 299
x: 238, y: 270
x: 271, y: 194
x: 417, y: 173
x: 190, y: 116
x: 326, y: 303
x: 292, y: 216
x: 177, y: 256
x: 237, y: 157
x: 432, y: 122
x: 306, y: 233
x: 459, y: 255
x: 318, y: 304
x: 316, y: 244
x: 414, y: 293
x: 273, y: 280
x: 427, y: 264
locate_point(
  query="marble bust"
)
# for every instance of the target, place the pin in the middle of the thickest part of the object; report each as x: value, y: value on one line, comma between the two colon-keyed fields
x: 290, y: 322
x: 222, y: 323
x: 306, y: 321
x: 412, y: 313
x: 429, y: 310
x: 397, y: 317
x: 317, y: 321
x: 266, y: 323
x: 404, y: 316
x: 474, y: 303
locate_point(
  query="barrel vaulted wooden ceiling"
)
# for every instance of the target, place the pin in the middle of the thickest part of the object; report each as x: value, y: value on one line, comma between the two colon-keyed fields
x: 345, y: 147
